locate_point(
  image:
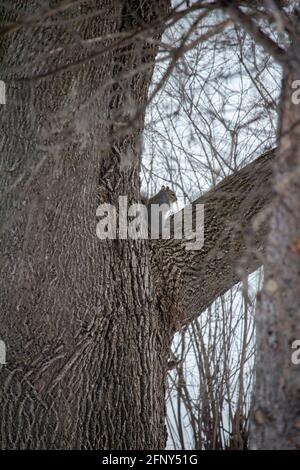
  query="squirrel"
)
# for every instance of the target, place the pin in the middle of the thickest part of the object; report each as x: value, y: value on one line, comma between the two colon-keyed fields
x: 164, y: 196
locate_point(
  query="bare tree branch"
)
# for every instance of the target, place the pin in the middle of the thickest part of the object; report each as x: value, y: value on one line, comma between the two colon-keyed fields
x: 254, y: 31
x: 235, y: 229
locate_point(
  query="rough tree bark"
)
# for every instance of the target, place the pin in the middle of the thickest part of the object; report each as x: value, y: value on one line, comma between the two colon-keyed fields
x: 87, y: 344
x: 88, y: 323
x: 236, y: 212
x: 276, y: 416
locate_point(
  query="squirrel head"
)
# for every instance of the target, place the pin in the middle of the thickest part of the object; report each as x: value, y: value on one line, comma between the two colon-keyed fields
x: 171, y: 196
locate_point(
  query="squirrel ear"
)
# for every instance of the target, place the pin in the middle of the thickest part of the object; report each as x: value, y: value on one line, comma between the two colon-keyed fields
x: 163, y: 187
x: 167, y: 187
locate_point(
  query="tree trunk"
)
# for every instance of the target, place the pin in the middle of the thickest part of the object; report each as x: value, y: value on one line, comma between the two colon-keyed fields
x: 276, y: 416
x: 87, y: 323
x: 87, y: 345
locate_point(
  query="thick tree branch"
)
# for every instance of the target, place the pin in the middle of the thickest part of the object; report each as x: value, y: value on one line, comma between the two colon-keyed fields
x: 235, y: 227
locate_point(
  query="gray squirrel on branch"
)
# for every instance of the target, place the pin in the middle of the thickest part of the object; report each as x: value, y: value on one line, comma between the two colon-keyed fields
x: 165, y: 196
